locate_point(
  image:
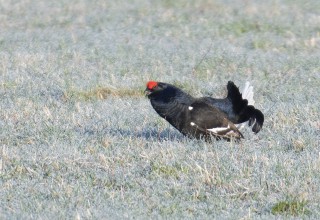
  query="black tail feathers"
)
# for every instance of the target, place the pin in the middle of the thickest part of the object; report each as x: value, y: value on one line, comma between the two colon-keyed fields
x: 244, y: 111
x: 235, y: 97
x: 256, y: 118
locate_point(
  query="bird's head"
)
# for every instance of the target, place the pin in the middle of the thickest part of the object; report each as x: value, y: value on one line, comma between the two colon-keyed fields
x: 154, y: 87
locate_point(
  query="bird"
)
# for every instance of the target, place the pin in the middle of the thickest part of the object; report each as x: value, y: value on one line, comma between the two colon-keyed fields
x: 206, y: 117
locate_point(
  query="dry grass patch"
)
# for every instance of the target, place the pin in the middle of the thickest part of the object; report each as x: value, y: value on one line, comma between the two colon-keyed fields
x: 103, y: 93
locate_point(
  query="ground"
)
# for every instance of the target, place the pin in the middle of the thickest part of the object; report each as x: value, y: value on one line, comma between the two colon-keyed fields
x: 78, y: 139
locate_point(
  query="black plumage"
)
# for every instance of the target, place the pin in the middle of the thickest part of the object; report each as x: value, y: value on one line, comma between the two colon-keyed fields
x: 203, y: 117
x: 237, y: 108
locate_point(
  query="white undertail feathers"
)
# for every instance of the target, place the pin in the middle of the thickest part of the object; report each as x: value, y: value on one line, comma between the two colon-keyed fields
x: 247, y: 93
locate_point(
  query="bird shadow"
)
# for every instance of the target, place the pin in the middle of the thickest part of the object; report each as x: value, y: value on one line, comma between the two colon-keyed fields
x: 146, y: 133
x: 161, y: 135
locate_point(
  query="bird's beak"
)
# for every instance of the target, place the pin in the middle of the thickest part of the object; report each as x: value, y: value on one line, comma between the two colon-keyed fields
x: 147, y: 92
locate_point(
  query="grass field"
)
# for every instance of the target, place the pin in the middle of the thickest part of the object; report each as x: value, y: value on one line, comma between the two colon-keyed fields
x: 79, y: 140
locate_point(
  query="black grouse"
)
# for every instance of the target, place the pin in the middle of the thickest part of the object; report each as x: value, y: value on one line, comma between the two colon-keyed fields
x: 204, y: 117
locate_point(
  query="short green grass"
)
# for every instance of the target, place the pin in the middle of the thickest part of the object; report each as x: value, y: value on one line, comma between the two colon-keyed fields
x: 169, y: 170
x: 293, y: 208
x: 79, y: 140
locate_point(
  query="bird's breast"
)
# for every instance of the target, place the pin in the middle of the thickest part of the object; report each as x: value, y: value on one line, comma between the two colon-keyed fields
x: 173, y: 112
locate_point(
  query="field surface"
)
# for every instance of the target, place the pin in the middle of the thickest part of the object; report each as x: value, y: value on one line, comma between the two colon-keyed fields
x: 79, y: 140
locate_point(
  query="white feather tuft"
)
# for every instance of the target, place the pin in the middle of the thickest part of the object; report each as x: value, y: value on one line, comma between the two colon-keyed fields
x: 219, y: 129
x: 247, y: 93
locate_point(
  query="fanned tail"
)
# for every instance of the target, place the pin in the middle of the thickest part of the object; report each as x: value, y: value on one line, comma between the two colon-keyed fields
x: 243, y: 106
